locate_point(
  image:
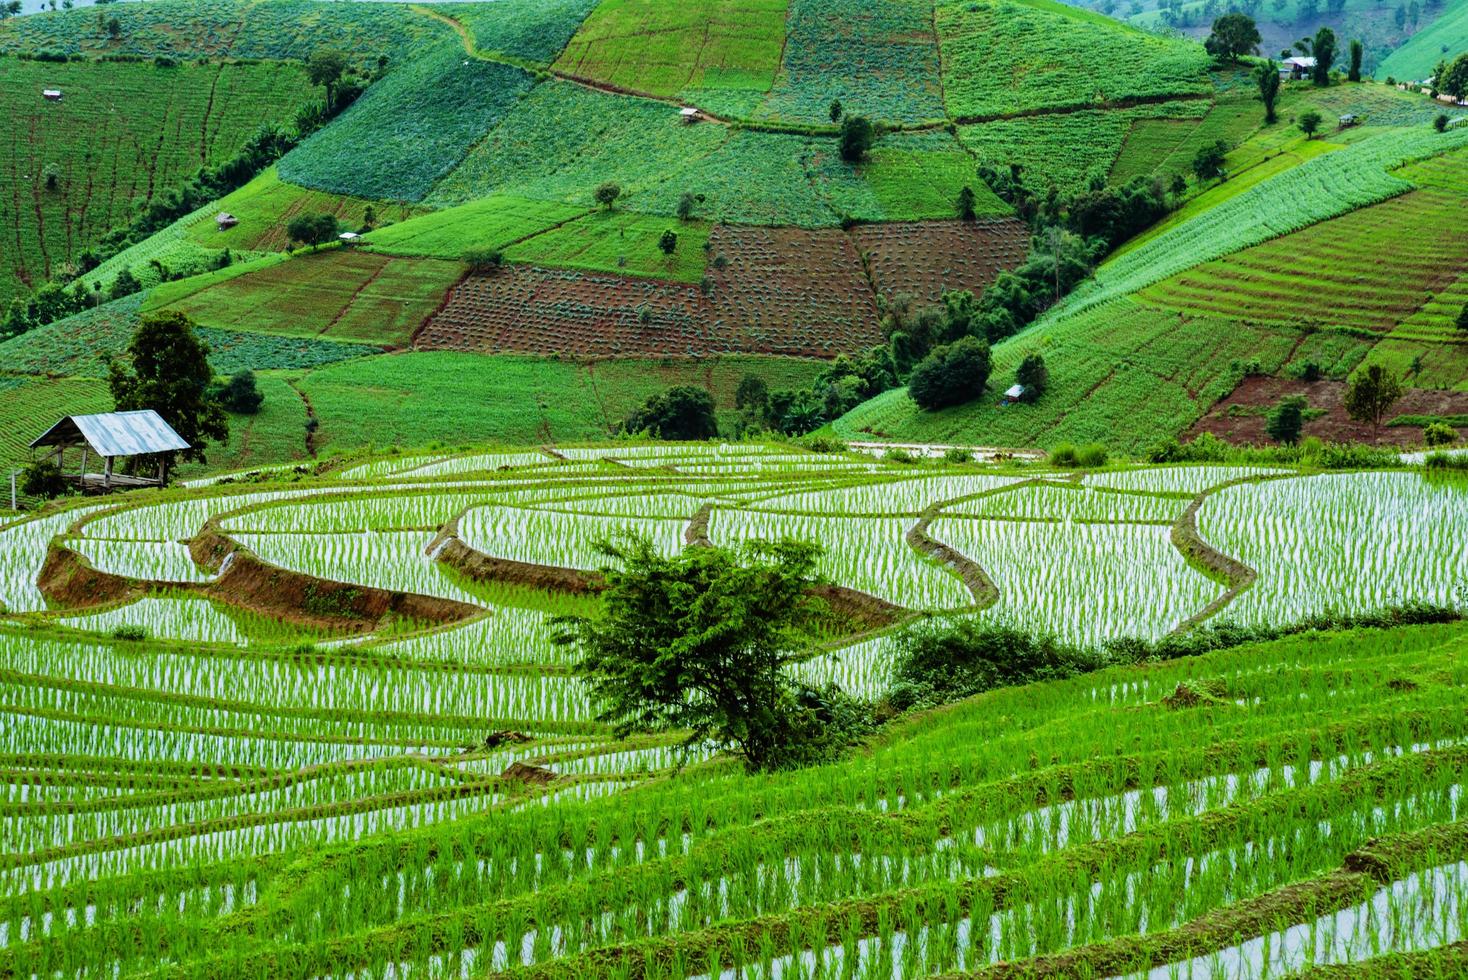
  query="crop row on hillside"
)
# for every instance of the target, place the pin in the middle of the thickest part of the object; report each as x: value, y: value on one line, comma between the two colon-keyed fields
x: 1003, y: 58
x: 335, y: 295
x: 1314, y: 191
x: 878, y: 58
x: 409, y: 129
x: 28, y: 406
x: 1120, y: 374
x: 536, y: 30
x: 121, y: 135
x: 663, y: 49
x: 1168, y: 146
x: 1369, y: 269
x: 926, y: 259
x: 188, y: 29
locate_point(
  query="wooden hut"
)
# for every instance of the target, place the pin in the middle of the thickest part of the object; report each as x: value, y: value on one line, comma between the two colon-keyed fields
x: 112, y: 436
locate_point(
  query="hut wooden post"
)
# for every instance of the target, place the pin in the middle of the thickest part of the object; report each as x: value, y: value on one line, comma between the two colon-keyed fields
x: 84, y: 463
x: 107, y: 474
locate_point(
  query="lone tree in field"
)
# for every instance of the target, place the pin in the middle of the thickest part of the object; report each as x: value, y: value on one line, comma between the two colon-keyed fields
x: 752, y: 399
x: 1323, y: 47
x: 1310, y: 123
x: 606, y: 194
x: 951, y: 375
x: 1033, y: 375
x: 1208, y: 161
x: 1463, y: 318
x: 1371, y: 393
x: 668, y: 241
x: 482, y: 260
x: 325, y: 67
x: 1354, y: 74
x: 700, y: 642
x: 967, y: 204
x: 240, y: 395
x: 857, y: 137
x: 682, y: 413
x: 1453, y: 79
x: 1286, y: 419
x: 835, y: 110
x: 1266, y: 76
x: 167, y: 369
x: 313, y: 229
x: 1234, y: 35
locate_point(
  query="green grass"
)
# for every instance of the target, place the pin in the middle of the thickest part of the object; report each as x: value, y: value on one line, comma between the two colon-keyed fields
x: 275, y: 434
x: 123, y: 135
x: 620, y: 241
x: 266, y: 205
x: 879, y: 58
x: 1123, y: 375
x: 414, y: 399
x: 493, y: 222
x: 914, y: 178
x: 1167, y: 147
x: 335, y: 295
x: 409, y: 129
x: 536, y: 30
x: 1002, y: 58
x: 670, y: 48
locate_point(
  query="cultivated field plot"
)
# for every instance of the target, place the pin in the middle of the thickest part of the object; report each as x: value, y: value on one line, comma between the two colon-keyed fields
x: 926, y: 259
x: 206, y: 682
x: 121, y: 134
x: 792, y: 291
x: 1370, y: 269
x: 336, y: 295
x: 1001, y: 58
x: 664, y: 49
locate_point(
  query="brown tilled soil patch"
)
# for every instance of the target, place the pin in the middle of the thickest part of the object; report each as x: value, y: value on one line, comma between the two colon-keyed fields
x: 928, y: 258
x: 1258, y: 391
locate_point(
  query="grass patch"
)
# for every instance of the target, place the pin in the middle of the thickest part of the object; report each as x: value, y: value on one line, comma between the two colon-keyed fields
x: 620, y: 241
x: 492, y: 222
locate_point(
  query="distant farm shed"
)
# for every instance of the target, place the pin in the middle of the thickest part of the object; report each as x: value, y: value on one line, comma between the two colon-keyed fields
x: 112, y: 436
x: 1015, y: 393
x: 1296, y: 67
x: 51, y: 94
x: 225, y: 220
x: 689, y: 114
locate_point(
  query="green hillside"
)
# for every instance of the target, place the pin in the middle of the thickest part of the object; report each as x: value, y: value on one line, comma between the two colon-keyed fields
x: 1441, y: 40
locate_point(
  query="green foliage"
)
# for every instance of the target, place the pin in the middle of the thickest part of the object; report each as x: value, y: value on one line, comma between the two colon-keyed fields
x: 1234, y: 35
x: 606, y: 194
x: 1208, y: 161
x: 409, y: 129
x: 313, y: 229
x: 494, y: 222
x: 941, y: 662
x: 668, y: 242
x: 483, y: 259
x: 42, y: 479
x: 857, y: 136
x: 167, y: 370
x: 1371, y: 392
x: 1286, y: 419
x: 965, y: 204
x: 240, y: 395
x: 1454, y: 80
x: 1309, y: 122
x: 1266, y: 76
x: 682, y: 413
x: 325, y: 67
x: 951, y: 375
x: 1439, y: 434
x: 621, y: 242
x: 1001, y: 58
x: 1354, y: 74
x: 1033, y: 375
x: 1323, y: 48
x: 701, y: 642
x: 1070, y: 456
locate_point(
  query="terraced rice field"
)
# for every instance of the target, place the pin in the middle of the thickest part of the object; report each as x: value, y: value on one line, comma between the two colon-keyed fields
x: 298, y: 721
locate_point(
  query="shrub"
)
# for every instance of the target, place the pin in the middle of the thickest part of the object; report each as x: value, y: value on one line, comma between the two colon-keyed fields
x: 684, y: 412
x: 899, y: 455
x: 133, y: 632
x: 957, y: 454
x: 1308, y: 371
x: 951, y: 375
x: 668, y: 241
x: 966, y: 202
x: 1441, y: 122
x: 606, y: 194
x: 1071, y: 456
x: 240, y: 395
x: 483, y: 259
x: 1033, y: 375
x: 313, y: 229
x: 857, y: 137
x: 1439, y: 434
x: 1286, y: 419
x: 823, y: 444
x: 1309, y: 122
x: 43, y: 479
x: 1456, y: 462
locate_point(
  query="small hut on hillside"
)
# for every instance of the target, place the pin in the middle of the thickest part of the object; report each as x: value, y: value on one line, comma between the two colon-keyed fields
x: 112, y: 436
x: 225, y: 221
x: 51, y: 94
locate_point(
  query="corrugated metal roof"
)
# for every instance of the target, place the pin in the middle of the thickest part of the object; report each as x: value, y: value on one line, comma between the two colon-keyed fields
x: 116, y: 433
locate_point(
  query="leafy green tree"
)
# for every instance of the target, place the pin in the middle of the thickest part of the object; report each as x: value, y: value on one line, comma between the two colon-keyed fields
x: 1208, y: 161
x: 1286, y: 419
x: 967, y: 204
x: 1462, y: 321
x: 1440, y: 123
x: 313, y: 229
x: 1266, y: 76
x: 1234, y: 35
x: 1354, y: 74
x: 482, y: 260
x: 682, y: 413
x: 701, y: 641
x: 1454, y: 78
x: 51, y: 174
x: 951, y: 375
x: 1439, y: 434
x: 836, y: 110
x: 668, y: 241
x: 42, y: 478
x: 1178, y: 187
x: 325, y: 67
x: 167, y: 369
x: 1371, y: 393
x: 240, y: 395
x: 124, y: 285
x: 1033, y: 375
x: 1323, y: 47
x: 606, y: 194
x: 686, y: 203
x: 1310, y: 122
x: 752, y: 398
x: 857, y: 137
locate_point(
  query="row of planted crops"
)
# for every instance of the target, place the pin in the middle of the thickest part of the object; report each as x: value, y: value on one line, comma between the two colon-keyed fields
x: 200, y: 781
